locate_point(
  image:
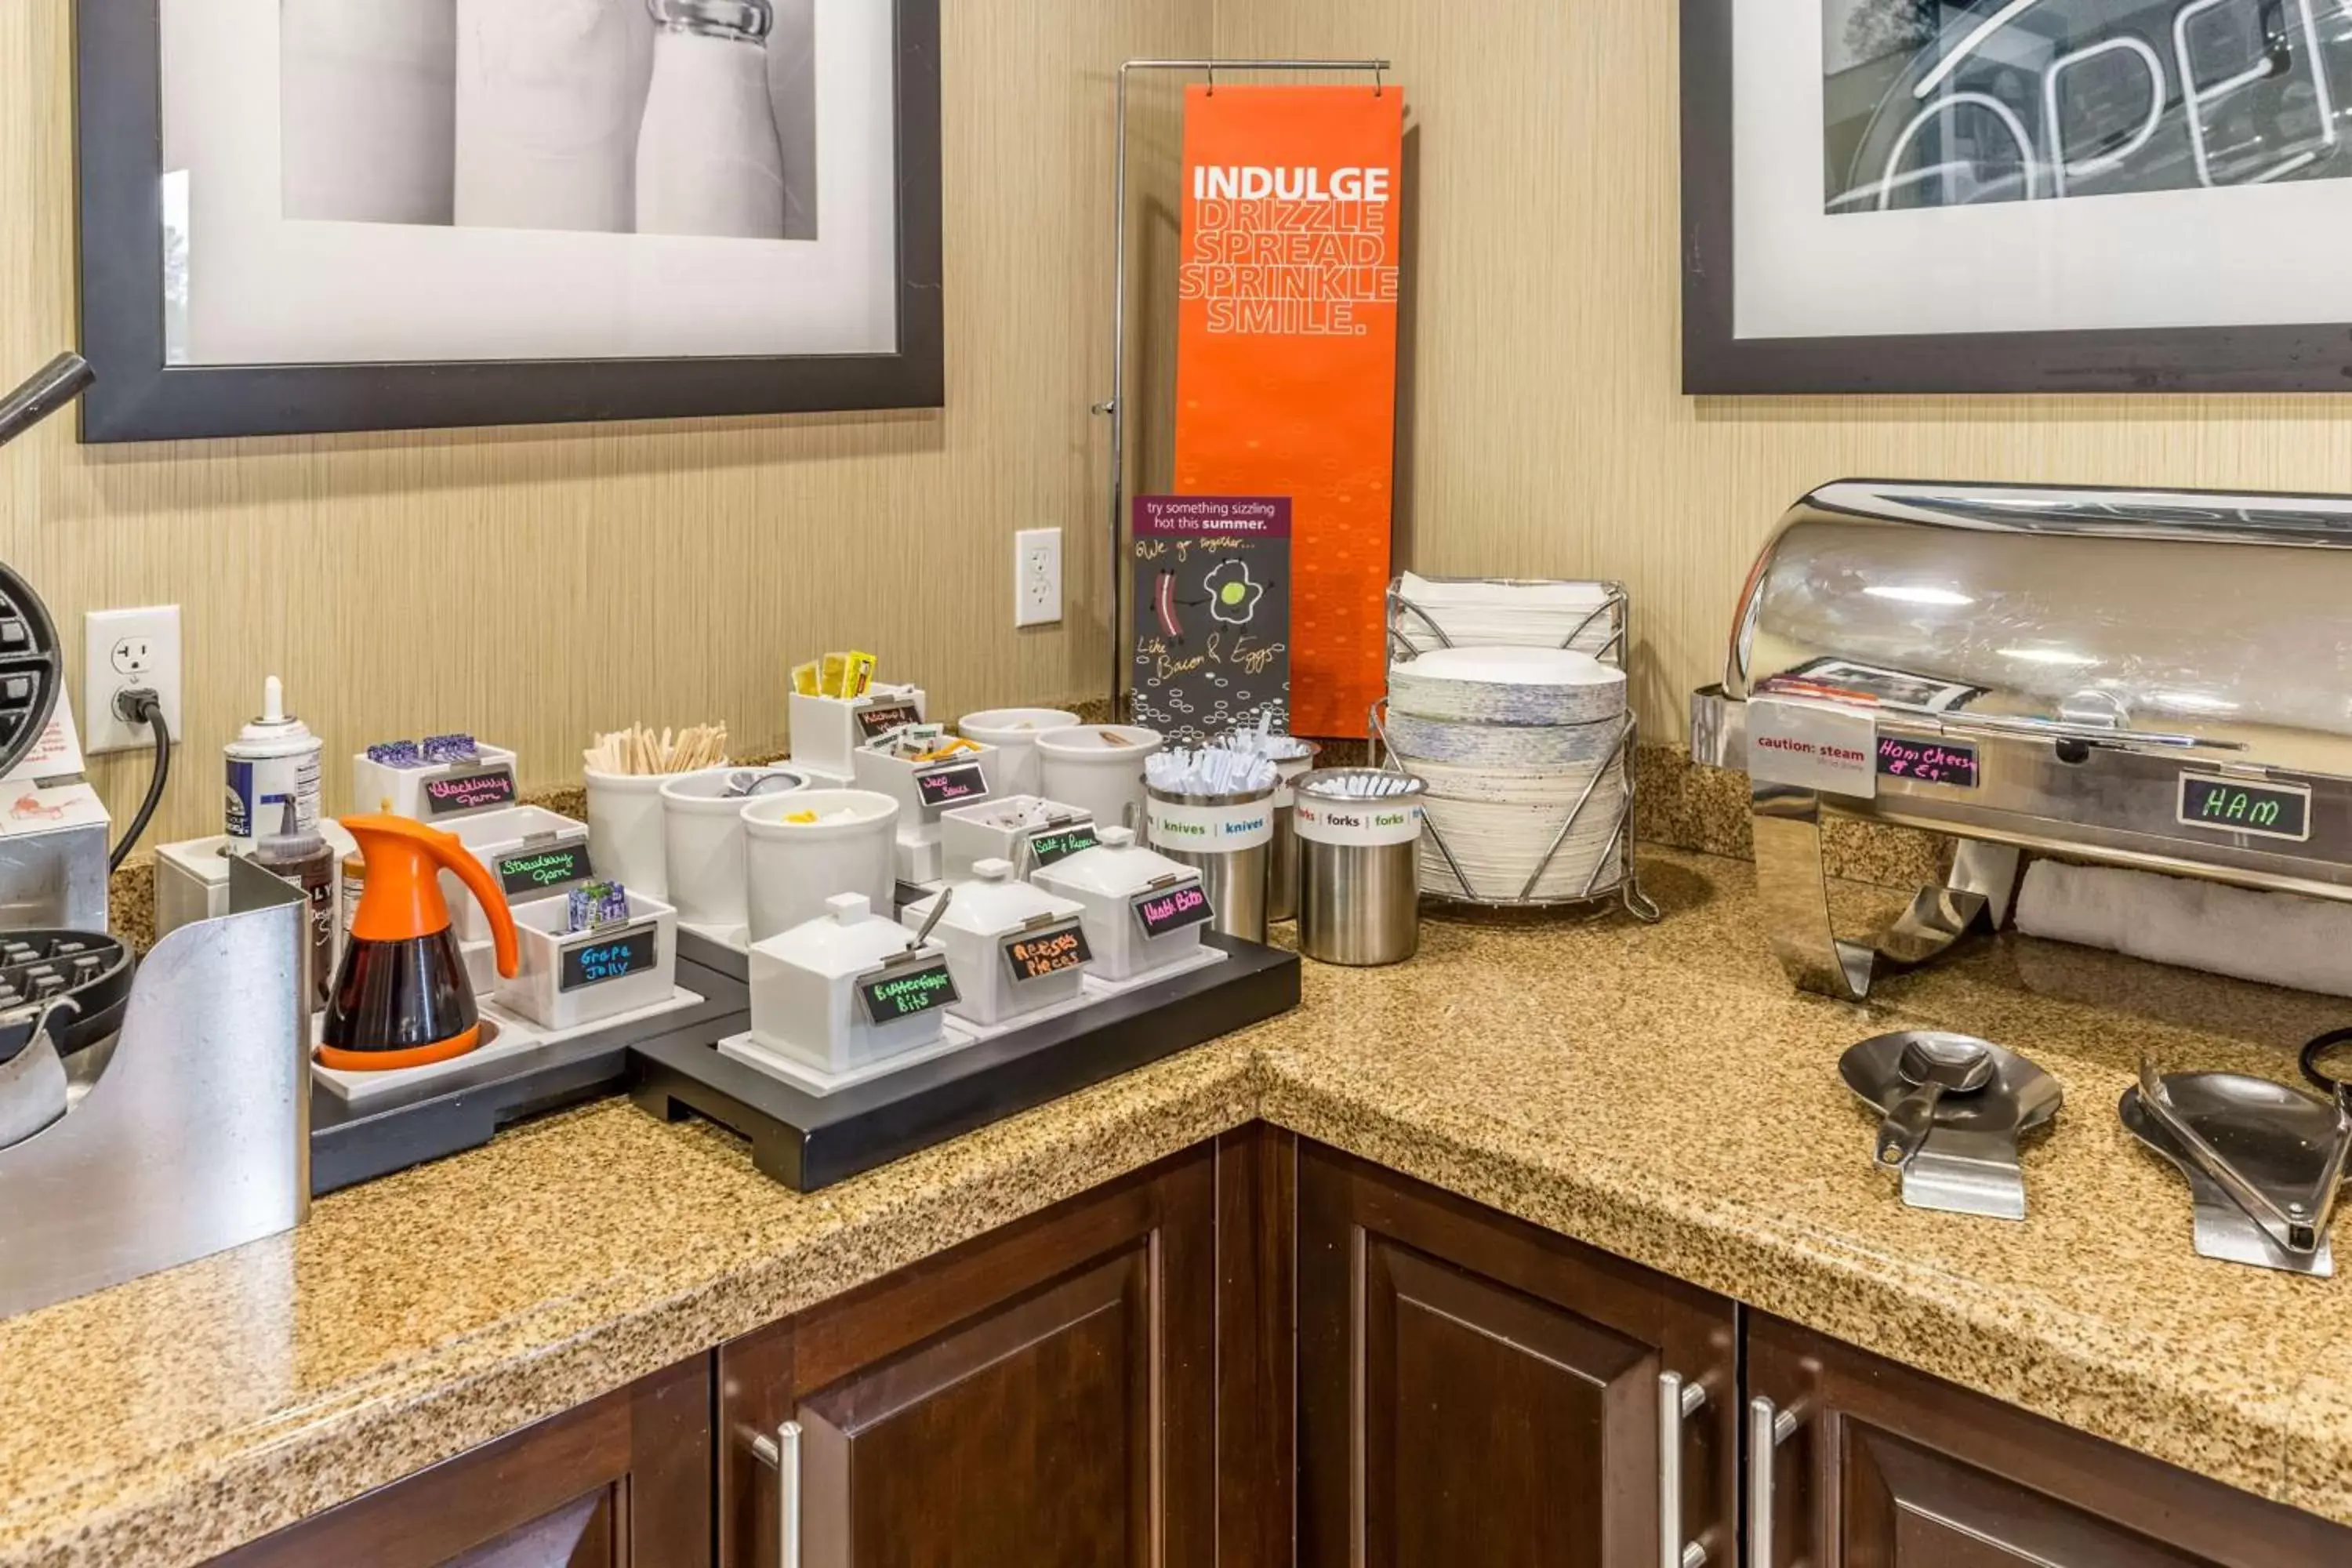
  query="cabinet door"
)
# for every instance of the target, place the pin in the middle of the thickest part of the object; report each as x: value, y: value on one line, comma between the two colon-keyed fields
x: 1043, y: 1398
x: 1474, y: 1390
x: 1882, y: 1466
x: 624, y: 1482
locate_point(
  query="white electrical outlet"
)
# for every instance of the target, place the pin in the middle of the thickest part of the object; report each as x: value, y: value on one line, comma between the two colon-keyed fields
x: 1036, y: 576
x: 123, y: 650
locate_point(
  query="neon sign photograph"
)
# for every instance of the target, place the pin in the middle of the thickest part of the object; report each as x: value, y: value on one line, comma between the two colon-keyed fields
x: 2016, y: 195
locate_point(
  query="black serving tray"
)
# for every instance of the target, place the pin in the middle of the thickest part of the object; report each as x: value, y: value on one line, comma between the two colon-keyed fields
x: 464, y: 1110
x: 808, y: 1141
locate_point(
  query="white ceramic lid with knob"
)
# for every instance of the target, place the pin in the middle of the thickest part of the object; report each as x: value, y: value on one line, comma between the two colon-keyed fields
x: 991, y: 904
x: 847, y: 940
x: 1117, y: 868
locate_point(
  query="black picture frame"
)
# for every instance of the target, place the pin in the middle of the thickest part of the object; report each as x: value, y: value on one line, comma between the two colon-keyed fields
x: 2304, y: 358
x: 138, y: 397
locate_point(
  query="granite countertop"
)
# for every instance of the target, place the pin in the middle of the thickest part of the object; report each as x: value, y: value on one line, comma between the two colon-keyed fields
x: 1660, y: 1092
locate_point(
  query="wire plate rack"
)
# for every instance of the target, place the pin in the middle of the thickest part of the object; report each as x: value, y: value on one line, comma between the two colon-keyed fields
x: 1406, y: 621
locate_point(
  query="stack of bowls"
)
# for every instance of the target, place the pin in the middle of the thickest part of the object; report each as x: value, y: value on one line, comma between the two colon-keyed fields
x: 1520, y: 749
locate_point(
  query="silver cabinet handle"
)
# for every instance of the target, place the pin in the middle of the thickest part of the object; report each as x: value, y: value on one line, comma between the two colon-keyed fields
x: 781, y: 1454
x: 1677, y: 1403
x: 1768, y: 1428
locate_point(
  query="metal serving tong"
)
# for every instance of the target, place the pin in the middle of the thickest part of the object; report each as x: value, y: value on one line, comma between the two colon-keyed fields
x: 2266, y: 1170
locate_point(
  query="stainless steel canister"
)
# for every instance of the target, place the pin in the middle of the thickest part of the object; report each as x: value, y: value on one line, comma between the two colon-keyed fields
x: 1230, y: 837
x: 1359, y: 866
x: 1292, y: 759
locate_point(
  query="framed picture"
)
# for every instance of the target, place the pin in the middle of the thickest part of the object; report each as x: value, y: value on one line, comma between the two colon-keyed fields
x: 2016, y: 195
x: 304, y: 215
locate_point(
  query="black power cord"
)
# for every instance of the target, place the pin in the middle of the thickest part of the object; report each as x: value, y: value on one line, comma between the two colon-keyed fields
x: 139, y: 705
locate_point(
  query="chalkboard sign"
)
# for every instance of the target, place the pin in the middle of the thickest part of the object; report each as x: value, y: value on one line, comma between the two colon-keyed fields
x: 2242, y: 806
x: 959, y: 784
x: 1161, y: 913
x: 874, y: 723
x: 1929, y: 762
x: 484, y: 788
x: 1036, y: 954
x: 908, y: 992
x: 1052, y: 846
x: 1212, y: 587
x: 616, y: 957
x: 531, y: 871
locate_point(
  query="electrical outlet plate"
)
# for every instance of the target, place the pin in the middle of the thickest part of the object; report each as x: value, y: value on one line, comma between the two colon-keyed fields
x: 1036, y: 577
x: 122, y: 649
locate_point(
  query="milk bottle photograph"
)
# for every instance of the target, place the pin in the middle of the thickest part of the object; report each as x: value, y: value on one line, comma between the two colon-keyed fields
x: 550, y: 96
x: 708, y: 160
x: 369, y: 110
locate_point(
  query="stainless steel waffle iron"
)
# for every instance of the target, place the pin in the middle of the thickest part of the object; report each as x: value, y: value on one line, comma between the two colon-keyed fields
x: 2144, y: 678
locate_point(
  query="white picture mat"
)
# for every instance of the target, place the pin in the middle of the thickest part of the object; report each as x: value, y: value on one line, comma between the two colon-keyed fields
x: 264, y: 290
x: 2260, y: 255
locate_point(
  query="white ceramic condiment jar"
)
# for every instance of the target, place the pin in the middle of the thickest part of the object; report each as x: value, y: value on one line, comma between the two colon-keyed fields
x: 804, y: 847
x: 1013, y: 732
x: 709, y: 162
x: 844, y: 992
x: 1014, y: 949
x: 1099, y: 768
x: 1144, y: 912
x: 549, y: 94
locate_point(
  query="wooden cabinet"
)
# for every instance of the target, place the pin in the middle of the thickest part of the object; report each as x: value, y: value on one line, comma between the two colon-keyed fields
x: 1043, y: 1397
x: 624, y: 1482
x: 1882, y: 1466
x: 1474, y: 1390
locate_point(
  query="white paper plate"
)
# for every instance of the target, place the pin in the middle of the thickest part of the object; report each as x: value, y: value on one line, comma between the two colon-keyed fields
x: 1494, y: 613
x: 1500, y: 828
x: 1518, y: 686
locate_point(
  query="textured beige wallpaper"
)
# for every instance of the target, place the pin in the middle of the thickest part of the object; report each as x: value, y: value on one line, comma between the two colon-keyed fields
x: 528, y: 584
x: 1543, y: 432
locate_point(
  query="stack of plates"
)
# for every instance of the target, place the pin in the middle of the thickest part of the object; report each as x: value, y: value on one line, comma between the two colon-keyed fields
x: 1521, y: 686
x: 1493, y: 614
x: 1508, y: 740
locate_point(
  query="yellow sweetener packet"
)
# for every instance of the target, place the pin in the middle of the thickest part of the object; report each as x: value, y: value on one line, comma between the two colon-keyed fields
x: 835, y: 677
x: 859, y: 678
x: 804, y: 680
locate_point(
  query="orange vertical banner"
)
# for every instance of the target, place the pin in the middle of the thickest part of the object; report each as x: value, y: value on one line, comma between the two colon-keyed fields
x: 1287, y: 356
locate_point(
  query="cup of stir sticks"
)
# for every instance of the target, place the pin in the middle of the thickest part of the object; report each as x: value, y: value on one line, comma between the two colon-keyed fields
x: 627, y: 770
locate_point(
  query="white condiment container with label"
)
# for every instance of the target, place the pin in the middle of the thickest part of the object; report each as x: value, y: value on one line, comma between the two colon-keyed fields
x: 705, y: 849
x: 533, y: 853
x: 1143, y: 912
x: 566, y: 980
x: 1359, y: 866
x: 827, y: 730
x: 1013, y: 732
x: 627, y: 829
x: 823, y: 993
x: 1229, y: 838
x: 1028, y: 831
x: 1014, y: 949
x: 794, y: 869
x: 550, y: 96
x: 925, y: 791
x: 1098, y: 768
x: 437, y: 792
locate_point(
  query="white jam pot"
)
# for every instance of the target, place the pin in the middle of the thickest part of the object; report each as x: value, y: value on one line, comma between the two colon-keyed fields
x: 1144, y: 912
x: 1014, y: 949
x: 844, y: 991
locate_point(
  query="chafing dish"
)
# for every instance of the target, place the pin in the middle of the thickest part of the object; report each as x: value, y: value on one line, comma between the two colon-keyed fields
x: 2152, y: 678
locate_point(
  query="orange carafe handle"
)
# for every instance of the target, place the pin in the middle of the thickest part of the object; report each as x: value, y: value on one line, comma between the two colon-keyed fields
x: 402, y: 896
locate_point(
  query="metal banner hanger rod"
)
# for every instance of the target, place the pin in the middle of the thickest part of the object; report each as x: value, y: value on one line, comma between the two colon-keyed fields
x: 1114, y: 408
